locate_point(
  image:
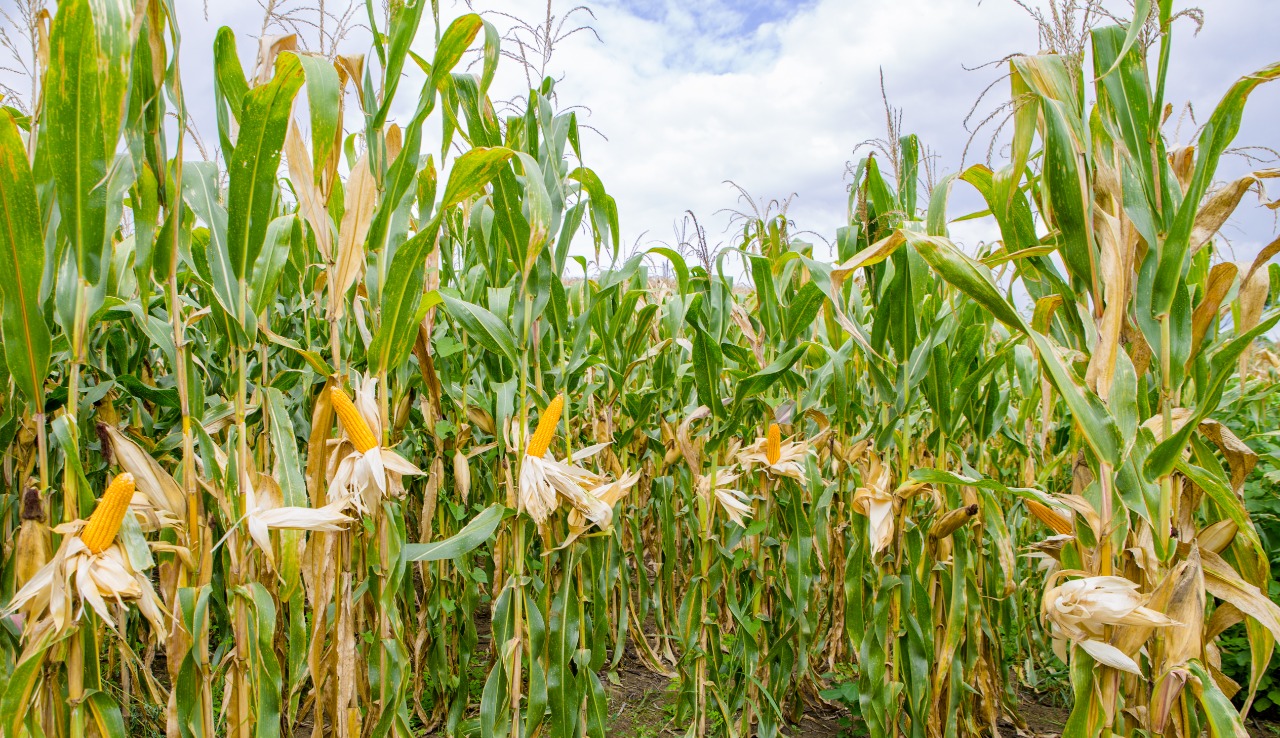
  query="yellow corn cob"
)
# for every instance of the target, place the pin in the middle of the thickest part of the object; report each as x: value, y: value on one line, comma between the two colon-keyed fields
x: 1060, y: 523
x: 546, y: 428
x: 352, y: 422
x: 104, y: 523
x: 773, y: 444
x: 951, y: 521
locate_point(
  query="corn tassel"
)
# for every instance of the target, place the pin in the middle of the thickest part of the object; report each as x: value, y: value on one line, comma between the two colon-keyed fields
x: 773, y: 444
x: 546, y: 428
x: 100, y: 532
x: 352, y: 422
x: 1058, y: 522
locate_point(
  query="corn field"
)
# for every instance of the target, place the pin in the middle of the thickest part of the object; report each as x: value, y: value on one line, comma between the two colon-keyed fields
x: 335, y: 435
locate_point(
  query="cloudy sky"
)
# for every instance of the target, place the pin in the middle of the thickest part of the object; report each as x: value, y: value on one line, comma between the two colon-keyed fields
x: 775, y: 95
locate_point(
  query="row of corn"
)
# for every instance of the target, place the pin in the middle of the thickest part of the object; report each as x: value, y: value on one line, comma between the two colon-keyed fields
x: 301, y: 441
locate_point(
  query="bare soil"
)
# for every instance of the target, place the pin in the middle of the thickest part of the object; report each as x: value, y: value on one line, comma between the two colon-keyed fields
x: 1041, y: 719
x: 639, y: 707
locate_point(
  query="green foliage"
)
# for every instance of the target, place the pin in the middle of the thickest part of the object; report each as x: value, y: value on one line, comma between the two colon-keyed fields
x: 886, y: 483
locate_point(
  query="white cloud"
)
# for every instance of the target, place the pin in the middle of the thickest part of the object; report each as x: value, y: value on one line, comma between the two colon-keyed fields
x: 783, y: 118
x: 693, y: 94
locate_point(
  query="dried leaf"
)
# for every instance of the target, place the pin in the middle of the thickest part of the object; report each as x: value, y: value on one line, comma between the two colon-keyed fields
x: 318, y: 447
x: 1221, y: 278
x: 1115, y: 268
x: 269, y: 47
x: 1240, y: 458
x: 310, y: 202
x: 360, y: 199
x: 152, y: 480
x: 1222, y: 581
x: 1183, y: 162
x: 1252, y: 298
x: 1217, y: 207
x: 1186, y: 607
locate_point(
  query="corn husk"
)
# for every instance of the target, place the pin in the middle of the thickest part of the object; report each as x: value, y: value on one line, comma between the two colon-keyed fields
x: 875, y: 500
x: 364, y: 477
x: 735, y: 503
x: 265, y: 514
x: 56, y: 595
x: 951, y: 521
x: 1080, y: 609
x: 787, y: 458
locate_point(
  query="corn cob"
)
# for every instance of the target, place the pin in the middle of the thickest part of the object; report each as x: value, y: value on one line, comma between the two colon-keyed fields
x: 1058, y: 522
x: 104, y: 523
x: 352, y: 422
x: 773, y: 444
x: 31, y: 551
x: 461, y: 475
x: 546, y: 428
x: 951, y: 521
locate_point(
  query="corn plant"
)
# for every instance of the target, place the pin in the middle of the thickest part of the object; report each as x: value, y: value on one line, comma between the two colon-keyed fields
x: 337, y: 435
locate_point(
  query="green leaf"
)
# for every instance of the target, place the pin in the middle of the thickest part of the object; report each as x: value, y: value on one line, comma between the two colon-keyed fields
x: 453, y: 44
x: 604, y: 211
x: 803, y: 310
x: 1141, y: 11
x: 313, y: 358
x: 26, y: 334
x: 269, y: 266
x: 1099, y: 428
x: 404, y: 170
x: 106, y: 714
x: 472, y: 171
x: 473, y: 534
x: 1220, y: 492
x: 288, y: 467
x: 483, y: 326
x: 563, y: 690
x: 928, y: 475
x: 1223, y: 720
x: 537, y: 203
x: 677, y: 264
x: 1216, y: 135
x: 84, y: 104
x: 761, y: 381
x: 403, y: 28
x: 401, y: 297
x: 167, y: 397
x: 1065, y: 181
x: 966, y: 275
x: 251, y: 191
x: 22, y: 684
x: 324, y: 96
x: 975, y: 280
x: 264, y: 666
x: 228, y: 73
x: 1162, y: 459
x: 707, y: 361
x: 1124, y: 99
